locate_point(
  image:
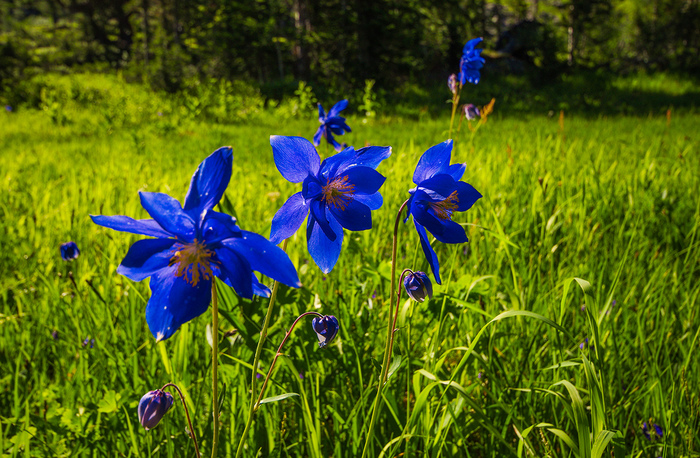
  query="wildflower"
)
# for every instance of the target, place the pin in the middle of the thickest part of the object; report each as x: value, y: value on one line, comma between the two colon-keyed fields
x: 8, y: 108
x: 437, y: 195
x: 69, y: 251
x: 582, y: 345
x: 192, y: 245
x: 90, y: 341
x: 331, y: 124
x: 54, y: 334
x: 326, y: 329
x: 471, y: 62
x: 339, y: 193
x: 658, y: 431
x: 418, y: 286
x: 471, y: 112
x: 153, y: 406
x: 452, y: 83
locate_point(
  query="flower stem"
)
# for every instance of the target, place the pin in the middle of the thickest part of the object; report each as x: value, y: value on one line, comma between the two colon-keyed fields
x: 389, y: 335
x: 256, y: 360
x: 279, y: 352
x: 455, y: 102
x: 214, y: 366
x: 187, y: 414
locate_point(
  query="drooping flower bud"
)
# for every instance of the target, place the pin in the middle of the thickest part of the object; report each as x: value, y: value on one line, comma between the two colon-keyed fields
x: 326, y: 329
x: 452, y: 83
x: 69, y: 251
x: 471, y: 112
x: 418, y: 286
x: 153, y: 406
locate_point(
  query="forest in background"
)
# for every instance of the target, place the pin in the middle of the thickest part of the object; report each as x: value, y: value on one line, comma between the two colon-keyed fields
x: 337, y: 45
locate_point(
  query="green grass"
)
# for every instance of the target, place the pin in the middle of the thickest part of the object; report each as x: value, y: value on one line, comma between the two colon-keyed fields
x: 612, y: 200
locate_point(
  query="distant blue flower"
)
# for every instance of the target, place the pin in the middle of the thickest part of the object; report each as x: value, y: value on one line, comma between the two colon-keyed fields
x: 69, y: 251
x: 331, y: 124
x: 452, y: 83
x: 437, y: 195
x: 418, y: 286
x: 471, y: 62
x: 54, y: 334
x: 8, y: 108
x: 657, y: 430
x: 471, y: 111
x: 90, y: 341
x: 339, y: 193
x: 194, y: 244
x: 326, y: 329
x: 153, y: 406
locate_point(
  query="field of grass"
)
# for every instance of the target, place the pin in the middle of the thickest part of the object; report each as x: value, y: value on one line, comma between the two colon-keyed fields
x: 587, y: 236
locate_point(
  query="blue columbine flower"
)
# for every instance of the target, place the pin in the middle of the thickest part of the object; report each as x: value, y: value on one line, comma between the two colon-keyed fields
x: 437, y: 195
x: 69, y: 251
x: 471, y: 62
x: 331, y: 124
x: 418, y: 286
x: 193, y: 244
x: 339, y: 193
x: 326, y: 329
x: 153, y: 406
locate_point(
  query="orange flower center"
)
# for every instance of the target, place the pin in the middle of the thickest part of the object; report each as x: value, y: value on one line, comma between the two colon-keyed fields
x: 193, y: 262
x: 338, y: 192
x: 444, y: 208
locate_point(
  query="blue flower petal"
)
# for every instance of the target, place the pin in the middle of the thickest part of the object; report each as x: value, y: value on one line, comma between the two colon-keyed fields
x: 321, y: 113
x: 218, y: 226
x: 471, y: 45
x: 329, y: 136
x: 369, y: 156
x: 435, y: 160
x: 295, y: 157
x: 318, y: 210
x: 311, y: 188
x: 318, y: 136
x: 174, y: 302
x: 373, y: 201
x: 456, y: 171
x: 265, y: 257
x: 259, y: 289
x: 364, y: 179
x: 135, y: 226
x: 467, y: 196
x: 235, y: 271
x: 337, y: 108
x: 323, y: 251
x: 430, y: 255
x: 446, y: 231
x: 354, y: 216
x: 288, y: 218
x: 436, y: 188
x: 169, y: 214
x: 209, y: 182
x: 146, y: 258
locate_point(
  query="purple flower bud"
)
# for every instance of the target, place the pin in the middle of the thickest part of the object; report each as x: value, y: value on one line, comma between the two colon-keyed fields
x: 471, y: 111
x: 54, y: 334
x: 326, y: 329
x: 452, y: 83
x: 418, y: 286
x: 152, y: 406
x: 69, y: 251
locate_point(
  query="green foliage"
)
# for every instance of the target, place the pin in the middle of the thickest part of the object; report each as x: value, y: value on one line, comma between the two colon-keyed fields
x: 491, y: 366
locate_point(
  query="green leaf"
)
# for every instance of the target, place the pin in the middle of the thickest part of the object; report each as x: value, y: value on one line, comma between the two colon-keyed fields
x: 108, y: 404
x: 280, y: 397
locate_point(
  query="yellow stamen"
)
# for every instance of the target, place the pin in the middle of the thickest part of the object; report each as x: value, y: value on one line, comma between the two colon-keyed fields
x: 193, y: 262
x: 338, y: 192
x: 444, y: 208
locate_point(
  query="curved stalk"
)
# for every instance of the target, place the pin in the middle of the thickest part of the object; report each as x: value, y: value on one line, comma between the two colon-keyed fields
x: 187, y: 415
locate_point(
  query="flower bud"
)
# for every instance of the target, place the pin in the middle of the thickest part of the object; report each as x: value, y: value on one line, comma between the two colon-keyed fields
x: 452, y: 83
x: 471, y: 111
x: 152, y: 406
x: 326, y: 329
x: 69, y: 251
x: 418, y: 286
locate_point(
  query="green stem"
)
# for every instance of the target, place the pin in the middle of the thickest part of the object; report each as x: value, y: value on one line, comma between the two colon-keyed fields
x: 214, y: 366
x: 187, y: 414
x: 455, y: 102
x: 279, y: 352
x: 389, y: 334
x: 256, y: 360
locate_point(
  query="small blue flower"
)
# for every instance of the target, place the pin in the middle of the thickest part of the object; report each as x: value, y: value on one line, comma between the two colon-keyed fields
x: 90, y: 341
x: 452, y: 83
x: 192, y: 245
x: 339, y: 193
x: 326, y: 329
x: 418, y: 286
x: 8, y: 108
x: 69, y: 251
x: 437, y: 195
x: 331, y: 124
x: 657, y: 430
x: 471, y: 62
x: 471, y: 112
x: 153, y: 406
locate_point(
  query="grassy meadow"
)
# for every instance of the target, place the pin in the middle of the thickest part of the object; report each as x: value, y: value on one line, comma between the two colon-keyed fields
x: 570, y: 318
